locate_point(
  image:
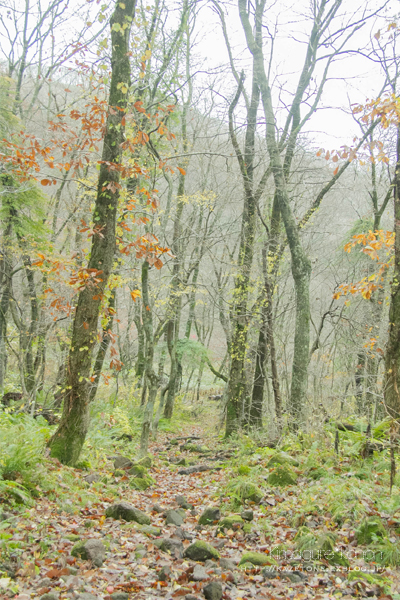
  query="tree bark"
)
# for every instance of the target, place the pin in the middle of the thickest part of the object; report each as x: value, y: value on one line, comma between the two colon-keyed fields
x: 392, y: 356
x: 66, y: 444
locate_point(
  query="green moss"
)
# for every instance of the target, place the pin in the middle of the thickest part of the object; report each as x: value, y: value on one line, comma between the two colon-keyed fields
x: 72, y: 537
x: 146, y: 462
x: 230, y: 522
x: 247, y: 528
x: 370, y: 529
x: 201, y: 551
x: 119, y: 473
x: 316, y: 473
x: 257, y: 558
x: 244, y: 470
x: 282, y: 476
x: 141, y: 483
x: 138, y: 471
x: 282, y: 458
x: 79, y: 551
x: 245, y: 490
x: 84, y: 465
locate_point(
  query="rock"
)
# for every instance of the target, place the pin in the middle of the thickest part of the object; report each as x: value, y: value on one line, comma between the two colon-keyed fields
x: 141, y: 483
x: 282, y: 475
x: 293, y: 577
x: 146, y: 461
x: 282, y: 458
x: 210, y: 515
x: 200, y: 551
x: 87, y: 596
x: 231, y: 522
x: 122, y: 462
x: 183, y: 534
x: 172, y: 546
x: 93, y: 550
x: 269, y: 573
x: 173, y: 517
x: 149, y: 530
x: 194, y: 469
x: 199, y: 573
x: 138, y: 471
x: 183, y: 503
x: 246, y: 491
x: 213, y: 591
x: 227, y: 564
x: 191, y: 597
x: 120, y: 596
x: 92, y: 478
x: 49, y: 596
x: 257, y: 558
x: 157, y: 508
x: 164, y: 573
x: 247, y: 515
x: 127, y: 512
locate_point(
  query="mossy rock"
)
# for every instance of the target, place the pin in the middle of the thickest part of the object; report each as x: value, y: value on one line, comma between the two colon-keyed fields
x: 174, y: 442
x: 244, y: 470
x: 282, y: 476
x: 201, y: 551
x: 247, y: 528
x: 119, y: 473
x: 141, y: 483
x: 149, y: 530
x: 368, y: 529
x: 78, y: 550
x: 210, y: 515
x: 146, y: 462
x: 282, y: 458
x: 230, y: 522
x: 127, y: 512
x: 245, y: 490
x: 72, y: 537
x: 257, y: 559
x: 138, y: 471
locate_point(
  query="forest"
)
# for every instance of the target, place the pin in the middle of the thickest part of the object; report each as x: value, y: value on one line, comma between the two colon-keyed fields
x: 199, y: 299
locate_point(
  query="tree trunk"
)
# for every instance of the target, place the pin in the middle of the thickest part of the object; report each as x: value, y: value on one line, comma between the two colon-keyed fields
x: 301, y: 266
x: 150, y: 374
x: 392, y: 356
x: 66, y: 444
x: 238, y: 344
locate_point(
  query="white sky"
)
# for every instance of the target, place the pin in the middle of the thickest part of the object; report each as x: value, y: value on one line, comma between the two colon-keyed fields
x: 353, y: 77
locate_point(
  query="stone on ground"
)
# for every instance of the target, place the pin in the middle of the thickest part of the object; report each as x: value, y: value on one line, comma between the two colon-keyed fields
x: 200, y: 551
x: 210, y: 515
x: 93, y: 550
x: 199, y: 573
x: 257, y: 558
x: 172, y: 546
x: 213, y: 591
x: 174, y: 517
x: 247, y: 515
x: 122, y: 462
x: 227, y: 564
x: 127, y: 512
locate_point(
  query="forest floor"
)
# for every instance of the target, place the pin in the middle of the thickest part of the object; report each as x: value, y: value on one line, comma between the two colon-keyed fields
x: 134, y: 561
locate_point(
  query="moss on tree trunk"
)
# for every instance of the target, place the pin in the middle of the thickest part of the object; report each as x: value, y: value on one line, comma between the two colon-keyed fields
x: 66, y: 443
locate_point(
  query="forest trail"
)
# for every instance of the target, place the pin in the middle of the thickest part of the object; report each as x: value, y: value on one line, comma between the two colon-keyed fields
x: 133, y: 561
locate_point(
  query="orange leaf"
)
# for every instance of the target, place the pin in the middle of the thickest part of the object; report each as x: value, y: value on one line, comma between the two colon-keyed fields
x: 45, y: 182
x: 181, y: 171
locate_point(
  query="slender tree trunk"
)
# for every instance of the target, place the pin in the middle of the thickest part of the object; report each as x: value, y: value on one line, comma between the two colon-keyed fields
x: 239, y: 341
x: 103, y: 347
x: 5, y: 266
x: 66, y: 444
x: 392, y: 356
x: 150, y: 375
x: 301, y: 266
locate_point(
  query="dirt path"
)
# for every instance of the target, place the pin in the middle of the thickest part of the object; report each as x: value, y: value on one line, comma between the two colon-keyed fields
x: 134, y: 566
